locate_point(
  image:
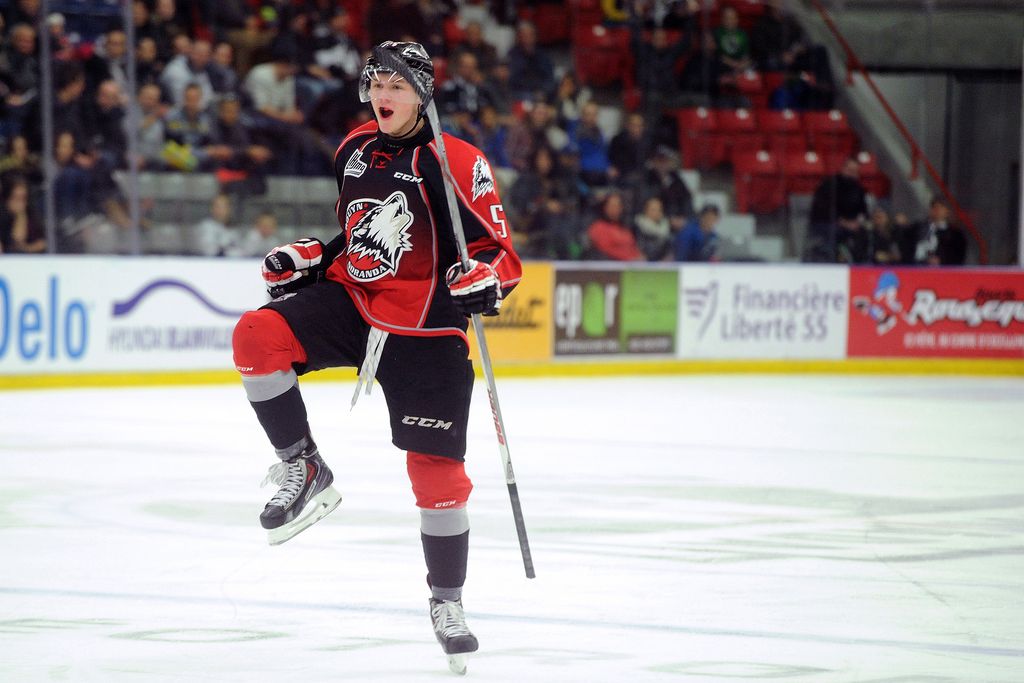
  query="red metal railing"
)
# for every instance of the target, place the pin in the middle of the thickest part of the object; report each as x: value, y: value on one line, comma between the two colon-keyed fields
x: 853, y: 63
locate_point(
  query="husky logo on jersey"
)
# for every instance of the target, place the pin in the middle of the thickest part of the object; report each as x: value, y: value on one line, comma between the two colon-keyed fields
x: 378, y: 235
x: 483, y: 181
x: 355, y: 166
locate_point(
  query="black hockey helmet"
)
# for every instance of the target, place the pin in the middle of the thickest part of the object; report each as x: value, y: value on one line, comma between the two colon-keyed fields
x: 413, y: 55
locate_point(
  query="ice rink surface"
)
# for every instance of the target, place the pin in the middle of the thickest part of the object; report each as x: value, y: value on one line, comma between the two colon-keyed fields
x: 686, y: 528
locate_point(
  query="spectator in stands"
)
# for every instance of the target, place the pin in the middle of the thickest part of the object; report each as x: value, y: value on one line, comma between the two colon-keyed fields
x: 664, y: 181
x: 151, y: 134
x: 630, y: 149
x: 588, y: 140
x: 109, y: 61
x: 167, y: 28
x: 147, y: 66
x: 884, y: 247
x: 21, y: 230
x: 531, y: 70
x: 104, y: 126
x: 544, y: 209
x: 569, y: 100
x: 460, y: 123
x: 473, y: 42
x: 258, y: 240
x: 183, y: 71
x: 272, y: 88
x: 703, y: 73
x: 497, y: 91
x: 656, y: 60
x: 68, y: 106
x: 935, y: 240
x: 250, y: 41
x: 19, y: 74
x: 213, y: 237
x: 840, y: 201
x: 338, y: 55
x: 61, y: 46
x: 190, y: 129
x: 854, y: 244
x: 699, y: 241
x: 493, y: 137
x: 776, y: 40
x: 141, y: 20
x: 72, y: 191
x: 336, y: 51
x: 20, y: 162
x: 653, y: 230
x: 223, y: 76
x: 536, y: 130
x: 28, y: 12
x: 461, y: 92
x: 89, y: 209
x: 732, y: 42
x: 248, y: 162
x: 609, y: 237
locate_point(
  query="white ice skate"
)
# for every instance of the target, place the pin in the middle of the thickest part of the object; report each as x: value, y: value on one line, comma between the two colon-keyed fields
x: 453, y: 634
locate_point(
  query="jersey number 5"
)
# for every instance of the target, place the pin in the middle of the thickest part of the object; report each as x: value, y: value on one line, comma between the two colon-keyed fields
x: 497, y: 210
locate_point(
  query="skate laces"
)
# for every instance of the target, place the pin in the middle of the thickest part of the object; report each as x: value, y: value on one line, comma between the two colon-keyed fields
x: 290, y: 476
x: 449, y: 619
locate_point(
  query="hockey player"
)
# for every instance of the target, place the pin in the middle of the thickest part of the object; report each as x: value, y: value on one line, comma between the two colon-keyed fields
x: 387, y: 295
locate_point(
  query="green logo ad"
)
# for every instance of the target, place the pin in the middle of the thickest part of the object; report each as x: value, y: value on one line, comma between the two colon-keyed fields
x: 612, y: 312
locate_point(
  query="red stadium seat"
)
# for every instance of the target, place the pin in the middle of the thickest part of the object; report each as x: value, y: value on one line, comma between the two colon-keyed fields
x: 751, y: 85
x: 701, y: 143
x: 802, y: 171
x: 871, y: 177
x: 758, y: 180
x: 551, y: 20
x: 829, y: 133
x: 738, y: 128
x: 601, y: 55
x: 784, y: 130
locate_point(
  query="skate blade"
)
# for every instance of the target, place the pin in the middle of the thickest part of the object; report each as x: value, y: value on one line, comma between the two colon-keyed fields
x: 319, y: 507
x: 457, y: 664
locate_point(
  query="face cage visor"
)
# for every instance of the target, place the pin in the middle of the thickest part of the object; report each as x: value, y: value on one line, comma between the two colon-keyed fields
x: 375, y: 82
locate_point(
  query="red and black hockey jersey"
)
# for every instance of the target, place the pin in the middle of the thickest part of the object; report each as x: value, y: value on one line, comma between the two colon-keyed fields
x: 398, y: 238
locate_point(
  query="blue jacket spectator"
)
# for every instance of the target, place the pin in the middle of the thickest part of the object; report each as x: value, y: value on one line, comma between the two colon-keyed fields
x: 698, y: 241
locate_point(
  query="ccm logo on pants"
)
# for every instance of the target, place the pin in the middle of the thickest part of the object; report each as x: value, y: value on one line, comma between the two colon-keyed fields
x: 425, y: 422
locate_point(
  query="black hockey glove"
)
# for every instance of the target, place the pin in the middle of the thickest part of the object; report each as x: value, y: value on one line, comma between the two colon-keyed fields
x: 293, y: 266
x: 477, y: 290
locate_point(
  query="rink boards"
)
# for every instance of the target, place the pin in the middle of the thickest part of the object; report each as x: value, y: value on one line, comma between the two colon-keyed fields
x: 95, y: 320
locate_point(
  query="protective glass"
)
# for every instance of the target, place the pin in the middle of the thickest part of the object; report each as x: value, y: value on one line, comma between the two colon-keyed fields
x: 376, y: 82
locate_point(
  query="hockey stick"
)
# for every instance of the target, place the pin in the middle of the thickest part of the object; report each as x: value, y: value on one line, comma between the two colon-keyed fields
x: 391, y: 63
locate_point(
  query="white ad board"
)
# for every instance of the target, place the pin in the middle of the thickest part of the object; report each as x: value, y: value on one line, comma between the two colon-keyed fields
x: 85, y: 314
x: 763, y: 311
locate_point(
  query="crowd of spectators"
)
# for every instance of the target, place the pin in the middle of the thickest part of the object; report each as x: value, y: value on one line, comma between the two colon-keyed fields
x: 843, y: 229
x: 244, y: 89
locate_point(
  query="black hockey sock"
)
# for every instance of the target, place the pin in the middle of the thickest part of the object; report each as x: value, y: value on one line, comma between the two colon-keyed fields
x: 283, y: 418
x: 446, y: 558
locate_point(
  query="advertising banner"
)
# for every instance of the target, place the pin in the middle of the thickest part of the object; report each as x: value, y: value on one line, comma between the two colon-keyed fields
x: 82, y: 313
x: 763, y: 311
x: 523, y: 330
x: 931, y: 312
x: 614, y: 311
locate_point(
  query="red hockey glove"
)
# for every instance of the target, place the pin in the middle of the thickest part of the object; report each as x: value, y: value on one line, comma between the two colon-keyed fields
x: 476, y: 290
x: 293, y: 266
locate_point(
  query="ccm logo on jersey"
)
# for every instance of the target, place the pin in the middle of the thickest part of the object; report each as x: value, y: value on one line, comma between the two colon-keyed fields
x: 406, y: 176
x: 426, y: 422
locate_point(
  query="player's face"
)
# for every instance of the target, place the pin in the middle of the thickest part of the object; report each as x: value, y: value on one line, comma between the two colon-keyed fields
x: 395, y: 103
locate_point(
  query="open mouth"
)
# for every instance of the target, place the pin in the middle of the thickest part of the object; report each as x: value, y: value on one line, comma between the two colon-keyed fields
x: 386, y: 113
